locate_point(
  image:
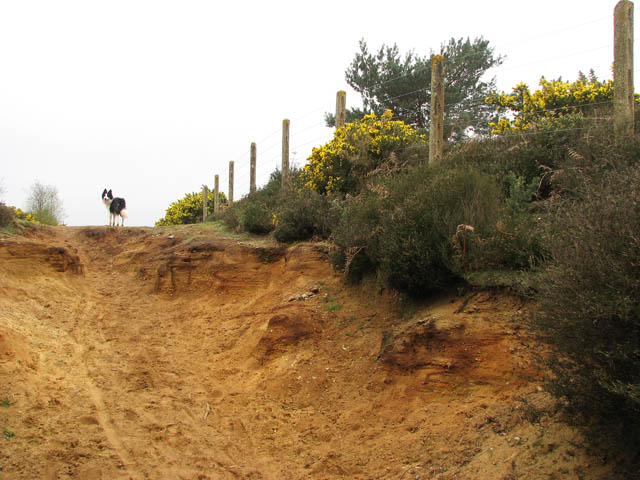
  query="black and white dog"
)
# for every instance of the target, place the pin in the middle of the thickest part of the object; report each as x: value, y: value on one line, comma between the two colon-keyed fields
x: 116, y: 206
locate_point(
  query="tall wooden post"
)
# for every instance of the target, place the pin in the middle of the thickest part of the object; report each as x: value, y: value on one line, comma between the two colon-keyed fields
x: 436, y: 129
x: 623, y: 107
x: 341, y: 108
x: 285, y: 152
x: 252, y: 173
x: 205, y: 198
x: 231, y: 182
x: 216, y: 190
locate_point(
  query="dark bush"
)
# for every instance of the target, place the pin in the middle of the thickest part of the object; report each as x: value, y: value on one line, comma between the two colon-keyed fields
x: 590, y: 307
x: 422, y: 213
x: 254, y: 213
x: 534, y: 154
x: 256, y: 218
x: 303, y: 214
x: 516, y: 241
x: 230, y: 216
x: 7, y: 216
x: 356, y: 233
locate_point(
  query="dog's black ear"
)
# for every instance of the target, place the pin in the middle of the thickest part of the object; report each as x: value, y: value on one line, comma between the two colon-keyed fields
x: 110, y: 195
x: 104, y: 192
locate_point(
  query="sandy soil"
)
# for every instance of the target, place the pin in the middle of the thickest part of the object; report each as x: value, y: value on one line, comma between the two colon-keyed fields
x: 177, y: 354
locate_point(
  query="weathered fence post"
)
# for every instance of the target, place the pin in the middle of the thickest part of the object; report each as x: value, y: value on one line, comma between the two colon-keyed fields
x: 436, y: 129
x: 216, y: 190
x: 231, y: 182
x: 205, y: 198
x: 252, y: 173
x: 623, y: 107
x: 341, y: 109
x: 285, y: 152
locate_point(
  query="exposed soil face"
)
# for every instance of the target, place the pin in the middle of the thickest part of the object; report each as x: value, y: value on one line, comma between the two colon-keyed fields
x: 142, y: 353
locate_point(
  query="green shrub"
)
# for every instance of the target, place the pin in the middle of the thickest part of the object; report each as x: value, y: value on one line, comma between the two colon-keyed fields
x: 422, y: 213
x: 257, y: 210
x: 303, y: 214
x: 533, y: 154
x: 590, y: 307
x: 517, y: 241
x: 256, y: 218
x: 45, y: 216
x: 254, y: 213
x: 355, y: 235
x: 230, y: 216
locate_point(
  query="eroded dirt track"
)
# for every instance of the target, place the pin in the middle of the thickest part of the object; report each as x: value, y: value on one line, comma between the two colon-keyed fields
x: 145, y: 353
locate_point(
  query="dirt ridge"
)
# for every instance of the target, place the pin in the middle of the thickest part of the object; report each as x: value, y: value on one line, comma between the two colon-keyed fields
x: 155, y: 353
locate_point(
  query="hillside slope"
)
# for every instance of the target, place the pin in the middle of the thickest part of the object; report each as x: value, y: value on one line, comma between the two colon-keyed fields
x: 149, y: 353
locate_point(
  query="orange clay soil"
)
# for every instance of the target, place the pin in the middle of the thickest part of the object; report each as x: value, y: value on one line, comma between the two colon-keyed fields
x: 140, y: 353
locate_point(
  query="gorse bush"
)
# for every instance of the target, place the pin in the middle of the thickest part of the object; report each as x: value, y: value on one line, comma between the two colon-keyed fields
x: 555, y: 98
x: 590, y: 307
x: 357, y: 149
x: 188, y: 209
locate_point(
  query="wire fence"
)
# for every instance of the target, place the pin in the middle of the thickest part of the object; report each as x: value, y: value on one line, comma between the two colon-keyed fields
x: 269, y: 148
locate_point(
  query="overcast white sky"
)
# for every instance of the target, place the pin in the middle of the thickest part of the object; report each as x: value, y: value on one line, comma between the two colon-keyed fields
x: 152, y: 98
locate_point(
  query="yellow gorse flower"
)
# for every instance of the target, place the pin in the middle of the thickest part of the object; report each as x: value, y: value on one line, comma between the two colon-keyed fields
x: 554, y: 98
x: 356, y: 148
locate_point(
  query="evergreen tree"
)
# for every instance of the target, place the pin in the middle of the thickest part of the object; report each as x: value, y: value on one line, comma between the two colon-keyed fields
x: 387, y: 80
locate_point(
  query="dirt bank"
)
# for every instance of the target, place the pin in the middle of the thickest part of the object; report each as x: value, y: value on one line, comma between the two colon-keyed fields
x: 150, y: 353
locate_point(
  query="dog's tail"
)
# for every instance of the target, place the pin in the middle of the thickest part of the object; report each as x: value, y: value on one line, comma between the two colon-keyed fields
x: 124, y: 213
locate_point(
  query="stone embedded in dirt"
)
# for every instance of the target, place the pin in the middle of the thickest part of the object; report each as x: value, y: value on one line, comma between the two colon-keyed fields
x: 304, y: 296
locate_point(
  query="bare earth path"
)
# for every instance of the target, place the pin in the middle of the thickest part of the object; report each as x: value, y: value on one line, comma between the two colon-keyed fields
x: 152, y: 354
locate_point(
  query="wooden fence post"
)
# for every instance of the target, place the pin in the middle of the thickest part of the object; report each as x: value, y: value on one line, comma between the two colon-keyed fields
x: 231, y: 182
x: 285, y: 152
x: 205, y: 198
x: 252, y: 173
x: 623, y: 102
x: 436, y: 129
x: 341, y: 109
x: 216, y: 190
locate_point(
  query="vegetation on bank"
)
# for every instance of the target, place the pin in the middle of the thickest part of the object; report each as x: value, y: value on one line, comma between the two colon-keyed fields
x: 44, y: 206
x: 553, y: 208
